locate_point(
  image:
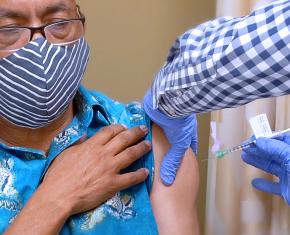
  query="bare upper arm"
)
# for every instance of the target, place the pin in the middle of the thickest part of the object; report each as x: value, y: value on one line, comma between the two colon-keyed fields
x: 174, y: 207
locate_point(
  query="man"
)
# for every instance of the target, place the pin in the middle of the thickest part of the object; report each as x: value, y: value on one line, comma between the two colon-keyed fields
x: 70, y: 159
x: 224, y: 63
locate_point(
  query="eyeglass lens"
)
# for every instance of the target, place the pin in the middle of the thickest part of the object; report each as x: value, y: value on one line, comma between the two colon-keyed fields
x: 58, y: 33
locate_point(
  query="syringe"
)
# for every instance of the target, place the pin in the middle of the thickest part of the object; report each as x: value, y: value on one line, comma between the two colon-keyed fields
x: 223, y: 153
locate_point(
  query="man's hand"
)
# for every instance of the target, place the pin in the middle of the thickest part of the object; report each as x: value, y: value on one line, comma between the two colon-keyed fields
x: 181, y: 134
x: 272, y: 156
x: 83, y: 177
x: 88, y: 174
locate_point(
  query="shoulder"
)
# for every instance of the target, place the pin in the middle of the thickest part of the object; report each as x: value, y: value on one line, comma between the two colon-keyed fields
x: 130, y: 114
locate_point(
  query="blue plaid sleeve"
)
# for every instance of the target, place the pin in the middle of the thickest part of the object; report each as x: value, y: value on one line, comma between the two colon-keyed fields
x: 227, y: 62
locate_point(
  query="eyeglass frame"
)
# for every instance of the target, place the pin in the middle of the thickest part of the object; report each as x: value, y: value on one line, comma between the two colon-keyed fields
x: 41, y: 28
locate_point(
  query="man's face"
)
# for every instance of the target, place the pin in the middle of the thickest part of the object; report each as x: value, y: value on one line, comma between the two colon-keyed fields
x: 35, y: 12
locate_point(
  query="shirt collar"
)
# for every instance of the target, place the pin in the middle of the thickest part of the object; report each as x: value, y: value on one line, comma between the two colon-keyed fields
x: 88, y: 107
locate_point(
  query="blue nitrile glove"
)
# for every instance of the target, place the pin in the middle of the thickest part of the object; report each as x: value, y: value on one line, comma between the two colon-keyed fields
x: 272, y: 156
x: 181, y: 134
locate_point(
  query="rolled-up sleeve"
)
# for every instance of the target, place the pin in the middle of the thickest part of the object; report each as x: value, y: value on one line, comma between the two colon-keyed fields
x: 226, y: 63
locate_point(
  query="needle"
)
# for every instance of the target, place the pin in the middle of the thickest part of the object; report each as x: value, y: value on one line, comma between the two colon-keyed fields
x: 223, y: 153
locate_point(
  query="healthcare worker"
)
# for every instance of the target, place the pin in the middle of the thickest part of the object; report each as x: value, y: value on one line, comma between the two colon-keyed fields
x: 225, y: 63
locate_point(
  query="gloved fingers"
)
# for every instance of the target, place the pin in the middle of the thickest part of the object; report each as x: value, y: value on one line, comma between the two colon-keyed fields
x: 171, y: 164
x: 273, y: 149
x: 266, y: 148
x: 270, y: 149
x: 267, y: 186
x: 253, y: 148
x: 178, y: 137
x: 285, y: 183
x: 262, y: 163
x: 252, y: 138
x: 284, y: 137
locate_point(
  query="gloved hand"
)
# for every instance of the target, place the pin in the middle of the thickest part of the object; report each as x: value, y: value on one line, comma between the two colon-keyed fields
x: 272, y: 156
x: 181, y: 134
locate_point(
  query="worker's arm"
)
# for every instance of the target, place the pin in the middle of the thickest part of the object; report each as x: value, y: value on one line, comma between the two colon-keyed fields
x: 222, y: 63
x: 226, y: 63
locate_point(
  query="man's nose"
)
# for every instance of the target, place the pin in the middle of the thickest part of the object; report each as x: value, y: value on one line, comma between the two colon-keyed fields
x: 36, y: 34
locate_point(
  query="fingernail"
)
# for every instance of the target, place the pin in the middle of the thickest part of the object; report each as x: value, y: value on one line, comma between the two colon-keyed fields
x: 144, y: 129
x: 124, y: 126
x: 146, y: 171
x: 148, y: 143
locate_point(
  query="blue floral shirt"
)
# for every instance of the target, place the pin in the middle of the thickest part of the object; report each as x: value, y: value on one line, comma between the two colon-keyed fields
x: 21, y: 171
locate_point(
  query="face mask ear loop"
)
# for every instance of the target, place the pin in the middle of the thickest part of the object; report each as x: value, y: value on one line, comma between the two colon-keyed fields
x: 80, y: 15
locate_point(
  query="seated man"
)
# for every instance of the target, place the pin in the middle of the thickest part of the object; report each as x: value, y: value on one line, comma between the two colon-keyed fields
x: 71, y: 159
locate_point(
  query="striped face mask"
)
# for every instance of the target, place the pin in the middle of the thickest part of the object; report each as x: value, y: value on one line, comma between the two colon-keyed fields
x: 39, y: 81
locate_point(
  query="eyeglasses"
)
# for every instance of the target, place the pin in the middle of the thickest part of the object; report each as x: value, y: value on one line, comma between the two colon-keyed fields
x: 63, y: 32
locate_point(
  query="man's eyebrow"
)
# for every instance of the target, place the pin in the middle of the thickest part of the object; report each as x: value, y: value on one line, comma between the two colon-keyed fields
x: 52, y: 9
x: 58, y: 7
x: 4, y: 13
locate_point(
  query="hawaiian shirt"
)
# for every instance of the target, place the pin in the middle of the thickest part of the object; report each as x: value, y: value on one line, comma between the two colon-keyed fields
x: 22, y: 169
